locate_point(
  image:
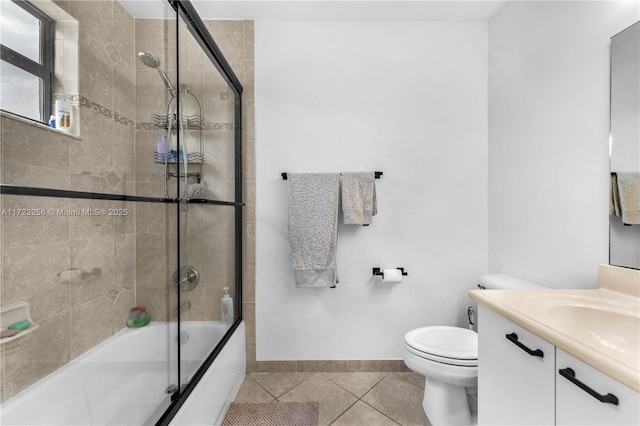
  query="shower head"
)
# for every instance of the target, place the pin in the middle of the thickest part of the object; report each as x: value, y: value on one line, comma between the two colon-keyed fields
x: 152, y: 61
x: 149, y: 59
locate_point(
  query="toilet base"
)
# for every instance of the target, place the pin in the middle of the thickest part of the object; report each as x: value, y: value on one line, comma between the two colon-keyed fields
x: 446, y: 404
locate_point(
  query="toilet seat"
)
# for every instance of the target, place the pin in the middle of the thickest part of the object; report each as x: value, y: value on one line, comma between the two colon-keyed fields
x: 443, y: 360
x: 448, y: 345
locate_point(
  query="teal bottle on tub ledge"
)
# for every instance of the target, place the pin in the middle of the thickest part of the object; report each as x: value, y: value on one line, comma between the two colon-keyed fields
x: 138, y: 317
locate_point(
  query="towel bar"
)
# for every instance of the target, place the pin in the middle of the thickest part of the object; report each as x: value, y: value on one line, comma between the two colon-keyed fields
x: 376, y: 175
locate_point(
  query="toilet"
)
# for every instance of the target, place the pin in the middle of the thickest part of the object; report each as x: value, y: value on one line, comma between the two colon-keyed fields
x: 448, y: 358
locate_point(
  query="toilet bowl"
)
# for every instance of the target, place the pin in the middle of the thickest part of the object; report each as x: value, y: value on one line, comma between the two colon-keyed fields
x: 448, y: 358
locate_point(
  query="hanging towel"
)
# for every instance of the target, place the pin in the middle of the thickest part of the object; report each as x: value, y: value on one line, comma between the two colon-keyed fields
x: 628, y: 197
x: 313, y: 227
x: 614, y: 202
x: 359, y: 203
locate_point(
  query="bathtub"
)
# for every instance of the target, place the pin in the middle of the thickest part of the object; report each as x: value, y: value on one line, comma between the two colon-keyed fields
x: 121, y: 381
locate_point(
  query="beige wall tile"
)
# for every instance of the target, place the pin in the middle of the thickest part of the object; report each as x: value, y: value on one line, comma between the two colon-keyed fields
x: 95, y: 69
x: 248, y: 77
x: 86, y: 182
x: 92, y: 220
x: 91, y: 323
x: 21, y: 230
x: 34, y: 145
x: 248, y: 28
x: 151, y: 261
x: 125, y: 221
x: 122, y: 306
x: 38, y: 274
x: 249, y: 282
x: 48, y: 349
x: 124, y: 260
x: 124, y: 89
x: 123, y: 34
x: 146, y: 169
x: 148, y: 37
x: 93, y: 154
x: 229, y: 36
x: 322, y: 366
x: 373, y: 365
x: 92, y: 259
x: 150, y: 218
x: 35, y: 176
x: 124, y: 152
x: 152, y: 96
x: 271, y: 366
x: 155, y: 299
x: 96, y: 17
x: 249, y: 314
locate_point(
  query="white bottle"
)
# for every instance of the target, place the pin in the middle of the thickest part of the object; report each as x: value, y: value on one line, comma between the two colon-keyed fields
x: 63, y: 115
x: 161, y: 149
x: 227, y: 307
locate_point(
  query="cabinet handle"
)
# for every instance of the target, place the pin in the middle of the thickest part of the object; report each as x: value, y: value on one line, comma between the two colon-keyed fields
x: 570, y: 375
x: 513, y: 338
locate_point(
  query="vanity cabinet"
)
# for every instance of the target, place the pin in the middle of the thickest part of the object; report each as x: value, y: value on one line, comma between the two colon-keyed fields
x: 525, y: 380
x: 515, y: 374
x: 585, y: 396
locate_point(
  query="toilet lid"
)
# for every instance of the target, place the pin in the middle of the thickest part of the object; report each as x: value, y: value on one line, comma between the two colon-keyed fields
x: 443, y: 341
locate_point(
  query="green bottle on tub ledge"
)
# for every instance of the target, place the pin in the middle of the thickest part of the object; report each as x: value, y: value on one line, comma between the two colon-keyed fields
x: 138, y: 317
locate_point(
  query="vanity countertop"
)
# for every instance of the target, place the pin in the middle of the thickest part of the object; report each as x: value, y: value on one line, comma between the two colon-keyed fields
x: 600, y: 327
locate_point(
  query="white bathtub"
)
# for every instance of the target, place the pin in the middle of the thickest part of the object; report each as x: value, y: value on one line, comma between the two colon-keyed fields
x: 121, y: 381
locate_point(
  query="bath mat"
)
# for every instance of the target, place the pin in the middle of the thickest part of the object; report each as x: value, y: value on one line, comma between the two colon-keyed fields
x: 272, y: 414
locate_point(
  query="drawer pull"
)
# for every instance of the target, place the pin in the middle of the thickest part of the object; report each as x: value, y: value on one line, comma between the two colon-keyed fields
x: 513, y: 338
x: 570, y: 375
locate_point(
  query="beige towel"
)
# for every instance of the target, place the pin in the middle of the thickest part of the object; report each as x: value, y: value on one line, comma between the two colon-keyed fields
x: 629, y: 197
x: 359, y: 203
x: 313, y: 227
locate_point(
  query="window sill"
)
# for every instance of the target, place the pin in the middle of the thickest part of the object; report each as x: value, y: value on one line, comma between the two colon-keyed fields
x: 37, y: 124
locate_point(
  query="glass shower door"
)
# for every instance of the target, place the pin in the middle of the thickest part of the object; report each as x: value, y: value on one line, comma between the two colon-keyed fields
x: 208, y: 207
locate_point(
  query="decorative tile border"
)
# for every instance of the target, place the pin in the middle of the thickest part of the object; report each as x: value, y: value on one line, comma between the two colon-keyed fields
x: 92, y: 106
x: 97, y: 108
x: 207, y: 126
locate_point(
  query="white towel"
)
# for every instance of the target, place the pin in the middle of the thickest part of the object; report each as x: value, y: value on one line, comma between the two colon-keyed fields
x: 629, y: 197
x: 313, y: 227
x: 359, y: 203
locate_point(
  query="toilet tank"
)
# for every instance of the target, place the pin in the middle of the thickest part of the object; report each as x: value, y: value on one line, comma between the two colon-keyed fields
x: 502, y: 281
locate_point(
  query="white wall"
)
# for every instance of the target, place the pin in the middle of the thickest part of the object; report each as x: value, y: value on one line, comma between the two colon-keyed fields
x: 548, y: 138
x: 408, y: 99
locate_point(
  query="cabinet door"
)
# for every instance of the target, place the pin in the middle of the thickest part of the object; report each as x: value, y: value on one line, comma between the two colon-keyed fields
x: 578, y: 394
x: 515, y: 374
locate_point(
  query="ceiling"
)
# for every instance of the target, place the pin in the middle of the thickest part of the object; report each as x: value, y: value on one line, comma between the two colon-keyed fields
x: 327, y: 10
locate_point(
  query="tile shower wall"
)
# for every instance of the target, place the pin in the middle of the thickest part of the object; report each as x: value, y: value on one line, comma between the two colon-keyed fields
x: 77, y: 272
x: 81, y: 275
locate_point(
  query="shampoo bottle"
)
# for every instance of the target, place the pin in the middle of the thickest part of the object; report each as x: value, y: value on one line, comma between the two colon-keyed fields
x: 227, y: 307
x: 162, y: 148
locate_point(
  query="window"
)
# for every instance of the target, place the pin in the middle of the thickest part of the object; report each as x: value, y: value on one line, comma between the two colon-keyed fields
x: 26, y: 66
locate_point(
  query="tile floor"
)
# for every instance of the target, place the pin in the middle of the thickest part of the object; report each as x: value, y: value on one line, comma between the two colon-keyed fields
x: 345, y: 399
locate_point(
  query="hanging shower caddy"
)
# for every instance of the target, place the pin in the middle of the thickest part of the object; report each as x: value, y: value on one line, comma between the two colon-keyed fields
x: 186, y: 163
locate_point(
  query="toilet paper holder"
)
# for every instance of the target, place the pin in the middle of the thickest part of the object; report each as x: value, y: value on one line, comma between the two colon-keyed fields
x: 378, y: 271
